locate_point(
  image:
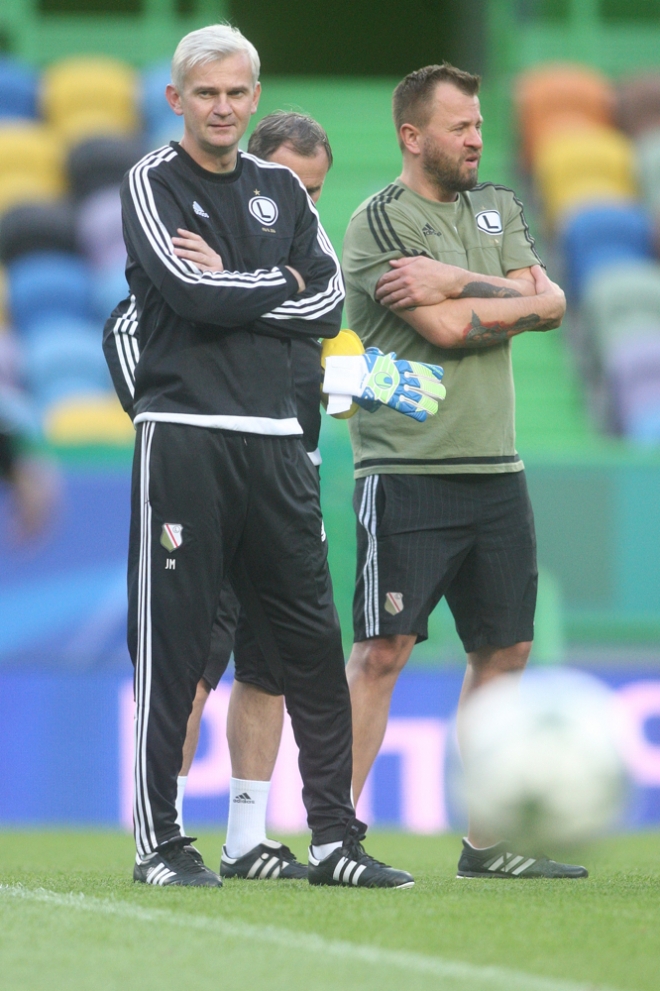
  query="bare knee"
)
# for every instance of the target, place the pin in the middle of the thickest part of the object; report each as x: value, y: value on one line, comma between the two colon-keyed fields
x: 501, y: 660
x: 380, y: 657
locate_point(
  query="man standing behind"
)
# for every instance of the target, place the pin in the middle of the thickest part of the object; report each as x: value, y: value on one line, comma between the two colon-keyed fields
x: 445, y: 271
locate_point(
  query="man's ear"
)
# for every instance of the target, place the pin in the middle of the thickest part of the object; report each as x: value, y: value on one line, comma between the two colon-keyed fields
x: 255, y: 98
x: 174, y: 100
x: 411, y: 138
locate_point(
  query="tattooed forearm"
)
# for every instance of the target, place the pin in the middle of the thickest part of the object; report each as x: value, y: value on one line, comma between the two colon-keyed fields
x: 478, y: 333
x: 485, y: 290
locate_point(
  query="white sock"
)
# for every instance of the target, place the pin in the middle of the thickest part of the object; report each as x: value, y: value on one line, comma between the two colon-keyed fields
x: 324, y: 850
x: 480, y: 849
x: 181, y: 782
x: 246, y: 826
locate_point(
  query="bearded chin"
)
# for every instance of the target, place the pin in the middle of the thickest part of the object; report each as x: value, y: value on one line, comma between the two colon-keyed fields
x: 447, y: 175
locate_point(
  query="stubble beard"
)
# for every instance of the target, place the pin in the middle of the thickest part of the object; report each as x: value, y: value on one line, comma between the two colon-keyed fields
x: 445, y: 173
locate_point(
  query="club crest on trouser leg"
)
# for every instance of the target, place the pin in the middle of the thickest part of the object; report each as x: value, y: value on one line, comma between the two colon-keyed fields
x: 171, y: 536
x: 394, y: 603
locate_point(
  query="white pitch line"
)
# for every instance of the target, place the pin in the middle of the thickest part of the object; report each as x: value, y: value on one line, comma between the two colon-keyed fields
x: 489, y: 977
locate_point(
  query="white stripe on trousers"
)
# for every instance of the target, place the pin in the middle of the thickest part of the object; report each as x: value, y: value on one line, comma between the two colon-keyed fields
x: 145, y: 835
x: 367, y: 518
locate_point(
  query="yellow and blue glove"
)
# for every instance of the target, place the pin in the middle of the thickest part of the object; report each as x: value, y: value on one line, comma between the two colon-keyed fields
x: 413, y: 388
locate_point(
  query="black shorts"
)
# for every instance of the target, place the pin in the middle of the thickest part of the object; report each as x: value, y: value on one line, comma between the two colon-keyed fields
x: 467, y: 537
x: 232, y: 633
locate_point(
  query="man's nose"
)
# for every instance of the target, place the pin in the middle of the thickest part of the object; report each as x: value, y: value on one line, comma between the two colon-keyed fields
x: 475, y: 139
x: 222, y: 107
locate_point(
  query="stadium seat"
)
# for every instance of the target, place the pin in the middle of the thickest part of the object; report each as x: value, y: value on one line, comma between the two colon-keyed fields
x: 47, y: 284
x: 556, y: 95
x: 101, y: 162
x: 633, y: 381
x: 64, y: 359
x: 161, y: 123
x: 638, y: 104
x: 95, y: 418
x: 99, y: 228
x: 600, y: 235
x: 577, y: 167
x: 18, y: 89
x: 85, y: 96
x: 620, y: 302
x: 648, y: 169
x: 109, y: 287
x: 31, y: 160
x: 36, y: 227
x: 4, y: 303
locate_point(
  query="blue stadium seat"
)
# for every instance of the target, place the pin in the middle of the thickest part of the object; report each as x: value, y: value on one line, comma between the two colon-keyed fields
x: 109, y: 287
x: 161, y: 123
x: 19, y: 85
x: 63, y: 359
x: 600, y: 236
x: 45, y: 284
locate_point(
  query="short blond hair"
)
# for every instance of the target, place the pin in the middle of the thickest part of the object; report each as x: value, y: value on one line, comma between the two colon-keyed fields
x: 216, y: 41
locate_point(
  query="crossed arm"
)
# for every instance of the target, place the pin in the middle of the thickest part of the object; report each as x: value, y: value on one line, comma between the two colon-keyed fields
x: 454, y: 308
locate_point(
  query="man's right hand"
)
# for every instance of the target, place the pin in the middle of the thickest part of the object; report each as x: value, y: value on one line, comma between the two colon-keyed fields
x: 299, y: 278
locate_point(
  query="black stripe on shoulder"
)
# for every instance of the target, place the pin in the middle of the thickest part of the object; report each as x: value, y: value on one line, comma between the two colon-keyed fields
x: 507, y: 189
x: 393, y: 234
x: 372, y: 228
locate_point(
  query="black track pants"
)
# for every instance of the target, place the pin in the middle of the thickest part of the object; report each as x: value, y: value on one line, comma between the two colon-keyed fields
x: 206, y: 504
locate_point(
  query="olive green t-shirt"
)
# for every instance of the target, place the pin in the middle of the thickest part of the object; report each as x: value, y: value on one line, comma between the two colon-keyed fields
x: 484, y: 231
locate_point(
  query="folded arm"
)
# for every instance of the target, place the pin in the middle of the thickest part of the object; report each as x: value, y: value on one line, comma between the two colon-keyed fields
x: 422, y: 281
x: 483, y: 321
x: 226, y: 299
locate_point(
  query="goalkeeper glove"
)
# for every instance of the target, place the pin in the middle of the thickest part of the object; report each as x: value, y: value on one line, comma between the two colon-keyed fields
x: 374, y: 378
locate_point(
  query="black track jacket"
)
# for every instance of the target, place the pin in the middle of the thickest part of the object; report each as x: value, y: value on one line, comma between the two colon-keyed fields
x: 214, y: 349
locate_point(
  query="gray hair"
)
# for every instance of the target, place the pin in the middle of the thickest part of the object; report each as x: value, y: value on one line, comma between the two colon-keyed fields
x: 216, y: 41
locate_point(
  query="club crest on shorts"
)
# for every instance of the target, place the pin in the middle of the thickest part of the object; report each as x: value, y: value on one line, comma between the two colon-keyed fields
x: 171, y: 536
x: 394, y: 603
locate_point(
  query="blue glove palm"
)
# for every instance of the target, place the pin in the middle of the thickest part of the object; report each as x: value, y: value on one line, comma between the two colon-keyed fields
x: 410, y: 387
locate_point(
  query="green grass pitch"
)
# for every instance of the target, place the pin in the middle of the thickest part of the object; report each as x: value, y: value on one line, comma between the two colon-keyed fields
x: 71, y: 918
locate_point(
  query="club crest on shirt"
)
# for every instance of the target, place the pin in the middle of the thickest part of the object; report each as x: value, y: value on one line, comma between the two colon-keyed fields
x: 171, y: 536
x: 394, y: 603
x: 264, y: 210
x: 489, y: 221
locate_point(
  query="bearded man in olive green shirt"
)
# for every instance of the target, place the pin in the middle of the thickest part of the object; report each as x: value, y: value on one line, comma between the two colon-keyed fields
x: 444, y: 271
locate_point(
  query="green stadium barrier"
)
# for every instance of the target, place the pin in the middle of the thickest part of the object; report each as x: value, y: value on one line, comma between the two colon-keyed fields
x: 617, y: 36
x: 137, y: 31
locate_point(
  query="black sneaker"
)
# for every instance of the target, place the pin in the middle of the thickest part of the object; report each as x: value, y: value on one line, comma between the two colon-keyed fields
x: 350, y: 865
x: 176, y: 864
x: 269, y: 860
x: 498, y: 861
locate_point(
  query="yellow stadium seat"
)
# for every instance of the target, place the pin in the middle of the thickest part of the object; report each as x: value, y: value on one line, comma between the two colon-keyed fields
x: 16, y: 189
x: 578, y: 166
x: 86, y: 124
x: 101, y: 88
x: 31, y: 163
x: 546, y: 94
x: 93, y: 419
x: 30, y: 147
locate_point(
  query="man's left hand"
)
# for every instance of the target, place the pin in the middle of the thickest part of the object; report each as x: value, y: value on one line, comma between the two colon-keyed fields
x: 417, y: 281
